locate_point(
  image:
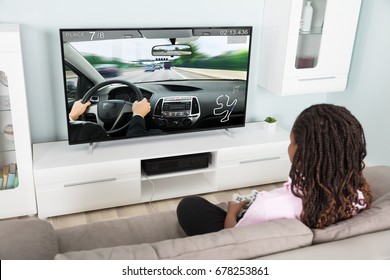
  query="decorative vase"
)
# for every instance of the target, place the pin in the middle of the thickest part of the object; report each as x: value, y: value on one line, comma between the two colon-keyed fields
x: 269, y: 127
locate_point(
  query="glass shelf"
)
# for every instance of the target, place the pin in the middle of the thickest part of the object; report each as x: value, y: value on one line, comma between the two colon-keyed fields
x: 309, y: 42
x: 6, y: 131
x: 313, y: 31
x: 8, y: 180
x: 3, y: 79
x: 6, y: 146
x: 4, y: 103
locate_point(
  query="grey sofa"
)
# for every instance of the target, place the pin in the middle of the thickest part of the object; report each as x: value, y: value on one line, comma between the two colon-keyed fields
x: 158, y: 236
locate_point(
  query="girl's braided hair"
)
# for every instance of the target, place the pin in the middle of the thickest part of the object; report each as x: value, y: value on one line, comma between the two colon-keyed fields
x: 327, y: 167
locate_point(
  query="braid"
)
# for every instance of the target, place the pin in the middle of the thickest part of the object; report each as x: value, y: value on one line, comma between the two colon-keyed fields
x: 327, y: 166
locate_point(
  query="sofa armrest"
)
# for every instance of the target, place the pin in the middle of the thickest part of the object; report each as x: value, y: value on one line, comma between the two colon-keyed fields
x: 27, y: 240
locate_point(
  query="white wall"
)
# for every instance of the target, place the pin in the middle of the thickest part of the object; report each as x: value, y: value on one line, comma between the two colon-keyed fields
x: 41, y: 19
x: 368, y: 92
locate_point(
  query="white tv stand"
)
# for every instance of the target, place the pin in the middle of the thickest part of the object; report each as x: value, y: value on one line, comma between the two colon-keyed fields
x: 75, y: 178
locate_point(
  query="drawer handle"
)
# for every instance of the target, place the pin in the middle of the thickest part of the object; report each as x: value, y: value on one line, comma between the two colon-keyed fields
x: 90, y: 182
x: 258, y: 160
x: 316, y: 79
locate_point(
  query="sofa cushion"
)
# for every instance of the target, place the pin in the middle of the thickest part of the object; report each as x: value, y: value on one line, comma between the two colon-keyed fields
x: 129, y: 231
x: 371, y: 246
x: 379, y: 179
x: 377, y: 218
x: 237, y: 243
x: 27, y: 240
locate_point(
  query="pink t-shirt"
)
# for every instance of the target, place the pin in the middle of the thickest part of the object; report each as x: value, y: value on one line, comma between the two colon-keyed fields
x: 279, y: 203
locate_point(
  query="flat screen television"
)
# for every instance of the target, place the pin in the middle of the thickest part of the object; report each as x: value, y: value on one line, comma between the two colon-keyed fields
x: 194, y: 79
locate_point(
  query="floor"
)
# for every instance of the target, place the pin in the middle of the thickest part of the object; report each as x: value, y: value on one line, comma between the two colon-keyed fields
x: 142, y: 208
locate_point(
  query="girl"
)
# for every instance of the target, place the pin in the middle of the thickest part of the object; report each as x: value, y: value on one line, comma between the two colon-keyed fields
x: 326, y: 184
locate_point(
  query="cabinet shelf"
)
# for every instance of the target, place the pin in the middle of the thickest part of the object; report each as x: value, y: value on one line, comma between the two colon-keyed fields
x: 169, y: 187
x: 176, y: 174
x: 318, y: 61
x: 18, y: 198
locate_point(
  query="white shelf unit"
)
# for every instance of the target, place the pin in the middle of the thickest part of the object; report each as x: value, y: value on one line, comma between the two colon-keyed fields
x: 18, y: 200
x: 70, y: 178
x: 294, y: 62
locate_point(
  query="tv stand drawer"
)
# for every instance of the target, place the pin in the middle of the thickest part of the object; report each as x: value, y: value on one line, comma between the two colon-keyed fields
x: 57, y: 199
x: 79, y: 173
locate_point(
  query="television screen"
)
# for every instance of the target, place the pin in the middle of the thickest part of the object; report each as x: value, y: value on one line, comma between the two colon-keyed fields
x: 122, y: 83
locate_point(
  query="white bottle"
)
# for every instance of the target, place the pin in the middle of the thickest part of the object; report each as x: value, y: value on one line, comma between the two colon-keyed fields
x: 307, y: 16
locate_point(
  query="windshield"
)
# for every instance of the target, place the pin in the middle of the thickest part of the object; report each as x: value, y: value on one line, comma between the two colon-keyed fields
x: 218, y: 54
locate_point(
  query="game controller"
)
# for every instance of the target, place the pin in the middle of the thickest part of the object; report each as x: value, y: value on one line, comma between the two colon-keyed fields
x: 250, y: 197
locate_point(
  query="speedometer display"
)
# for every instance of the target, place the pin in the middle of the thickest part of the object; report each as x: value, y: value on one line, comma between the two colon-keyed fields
x: 122, y: 96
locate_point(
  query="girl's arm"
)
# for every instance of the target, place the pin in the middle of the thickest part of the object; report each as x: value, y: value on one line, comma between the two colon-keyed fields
x: 232, y: 213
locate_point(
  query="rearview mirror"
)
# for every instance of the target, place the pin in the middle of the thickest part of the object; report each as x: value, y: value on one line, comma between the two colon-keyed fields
x: 172, y: 50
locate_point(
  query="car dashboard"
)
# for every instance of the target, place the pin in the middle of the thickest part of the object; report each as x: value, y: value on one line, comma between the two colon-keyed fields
x: 183, y: 105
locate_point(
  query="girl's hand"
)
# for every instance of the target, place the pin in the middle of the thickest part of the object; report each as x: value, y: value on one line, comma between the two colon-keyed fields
x: 235, y: 207
x: 233, y: 210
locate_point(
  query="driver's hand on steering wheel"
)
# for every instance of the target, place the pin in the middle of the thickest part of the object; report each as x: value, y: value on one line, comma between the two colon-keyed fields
x: 78, y: 109
x: 141, y: 108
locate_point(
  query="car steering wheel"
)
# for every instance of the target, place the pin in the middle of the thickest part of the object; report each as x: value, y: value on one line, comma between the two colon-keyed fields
x: 111, y: 111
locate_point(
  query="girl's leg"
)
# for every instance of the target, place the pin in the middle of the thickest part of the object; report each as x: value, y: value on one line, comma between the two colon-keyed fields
x: 196, y: 215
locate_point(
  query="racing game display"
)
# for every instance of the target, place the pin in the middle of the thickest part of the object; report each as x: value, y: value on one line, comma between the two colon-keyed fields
x: 187, y: 79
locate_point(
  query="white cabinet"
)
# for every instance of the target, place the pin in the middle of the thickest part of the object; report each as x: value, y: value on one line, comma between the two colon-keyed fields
x: 71, y: 179
x: 82, y: 187
x: 295, y: 62
x: 17, y: 195
x: 255, y: 165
